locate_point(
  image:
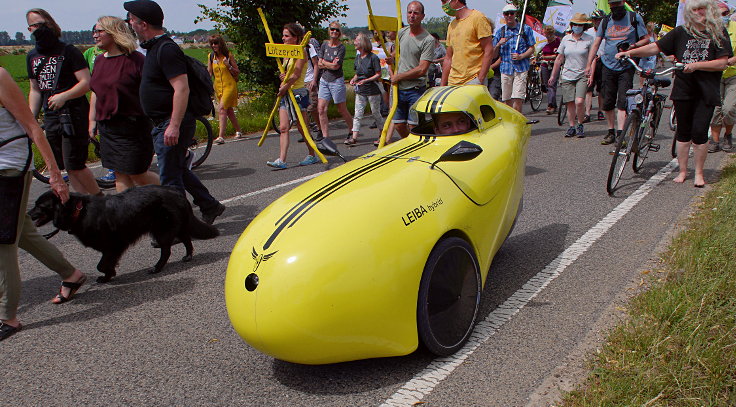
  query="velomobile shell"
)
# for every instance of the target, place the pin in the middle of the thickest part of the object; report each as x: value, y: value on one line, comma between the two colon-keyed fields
x: 338, y: 259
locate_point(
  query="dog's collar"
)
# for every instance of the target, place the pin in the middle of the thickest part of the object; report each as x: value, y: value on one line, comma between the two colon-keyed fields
x: 77, y: 210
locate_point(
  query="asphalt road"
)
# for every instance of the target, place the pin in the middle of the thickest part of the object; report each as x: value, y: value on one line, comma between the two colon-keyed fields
x: 166, y: 340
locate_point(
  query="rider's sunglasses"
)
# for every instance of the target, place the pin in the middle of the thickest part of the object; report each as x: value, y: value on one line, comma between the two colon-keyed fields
x: 334, y: 29
x: 509, y: 13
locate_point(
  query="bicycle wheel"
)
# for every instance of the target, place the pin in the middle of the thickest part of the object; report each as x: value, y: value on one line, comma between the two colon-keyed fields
x: 536, y: 96
x: 622, y: 153
x: 203, y: 126
x: 646, y: 136
x: 561, y: 112
x: 673, y: 119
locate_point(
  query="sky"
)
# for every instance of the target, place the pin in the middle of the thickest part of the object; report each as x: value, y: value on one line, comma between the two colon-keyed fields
x: 179, y: 15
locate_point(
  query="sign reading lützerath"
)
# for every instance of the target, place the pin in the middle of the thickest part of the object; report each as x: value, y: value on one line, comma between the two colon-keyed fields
x: 284, y: 51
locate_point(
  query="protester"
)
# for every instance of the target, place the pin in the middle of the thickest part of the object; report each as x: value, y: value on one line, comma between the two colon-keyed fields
x: 222, y: 66
x: 573, y: 54
x: 515, y: 43
x: 115, y: 108
x: 724, y: 116
x: 469, y: 47
x: 703, y: 45
x: 292, y: 35
x: 332, y: 83
x: 417, y: 51
x: 594, y: 82
x: 367, y: 75
x: 59, y: 78
x: 435, y: 68
x: 626, y: 29
x: 546, y: 61
x: 164, y: 94
x: 16, y: 227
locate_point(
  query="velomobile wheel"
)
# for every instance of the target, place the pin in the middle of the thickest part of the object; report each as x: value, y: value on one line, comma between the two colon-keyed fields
x: 449, y: 296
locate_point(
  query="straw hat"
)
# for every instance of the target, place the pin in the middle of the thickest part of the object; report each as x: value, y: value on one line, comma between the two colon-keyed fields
x: 581, y: 18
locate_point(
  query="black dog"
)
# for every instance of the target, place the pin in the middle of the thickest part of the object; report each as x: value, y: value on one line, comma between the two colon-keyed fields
x: 111, y: 224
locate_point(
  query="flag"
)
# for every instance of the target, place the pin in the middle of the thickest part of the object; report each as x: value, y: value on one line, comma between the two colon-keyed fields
x: 538, y: 30
x: 664, y: 30
x: 558, y: 15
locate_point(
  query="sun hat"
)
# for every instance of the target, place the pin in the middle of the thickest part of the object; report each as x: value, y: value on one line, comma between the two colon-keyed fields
x: 581, y: 18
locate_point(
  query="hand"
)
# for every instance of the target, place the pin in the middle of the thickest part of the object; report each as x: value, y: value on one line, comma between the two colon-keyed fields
x: 60, y: 188
x: 515, y: 56
x: 311, y: 85
x: 283, y: 90
x: 590, y: 81
x: 551, y: 81
x: 502, y: 41
x: 690, y: 68
x: 171, y: 135
x: 390, y: 60
x: 282, y: 76
x: 57, y: 101
x: 623, y: 54
x: 352, y: 81
x: 92, y: 130
x: 586, y: 72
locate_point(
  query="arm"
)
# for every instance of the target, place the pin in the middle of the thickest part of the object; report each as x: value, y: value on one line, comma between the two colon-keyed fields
x: 645, y: 51
x: 289, y: 82
x: 446, y: 66
x: 375, y: 77
x: 556, y: 69
x: 315, y: 66
x: 58, y: 100
x: 92, y: 130
x: 417, y: 72
x: 12, y: 98
x: 209, y: 65
x: 34, y: 98
x: 591, y: 54
x: 487, y: 44
x: 233, y: 66
x: 524, y: 55
x: 716, y: 65
x: 642, y: 42
x: 181, y: 98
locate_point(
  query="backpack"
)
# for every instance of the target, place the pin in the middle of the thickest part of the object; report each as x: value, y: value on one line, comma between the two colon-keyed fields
x: 201, y: 89
x: 522, y: 31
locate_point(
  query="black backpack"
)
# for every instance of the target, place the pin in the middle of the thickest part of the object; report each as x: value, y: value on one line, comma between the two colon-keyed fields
x: 201, y: 89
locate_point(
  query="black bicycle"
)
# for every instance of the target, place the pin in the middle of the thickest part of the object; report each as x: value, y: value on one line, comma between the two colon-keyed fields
x: 561, y: 112
x: 640, y: 127
x: 203, y: 137
x: 534, y: 87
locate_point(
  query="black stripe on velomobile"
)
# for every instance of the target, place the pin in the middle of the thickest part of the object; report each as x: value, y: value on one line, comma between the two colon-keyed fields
x: 436, y: 98
x: 400, y: 152
x: 306, y: 204
x: 437, y: 106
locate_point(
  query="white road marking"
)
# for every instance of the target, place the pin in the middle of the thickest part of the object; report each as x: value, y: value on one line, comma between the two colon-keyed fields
x: 439, y: 369
x: 271, y: 188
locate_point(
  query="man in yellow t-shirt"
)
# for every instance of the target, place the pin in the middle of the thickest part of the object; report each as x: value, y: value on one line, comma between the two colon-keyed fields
x: 469, y: 45
x: 725, y: 115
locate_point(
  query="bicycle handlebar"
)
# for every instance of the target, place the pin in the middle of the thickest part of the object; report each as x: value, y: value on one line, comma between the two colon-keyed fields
x: 677, y: 67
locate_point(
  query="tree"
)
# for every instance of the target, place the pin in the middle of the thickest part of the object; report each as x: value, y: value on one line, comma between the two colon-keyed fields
x: 4, y: 38
x: 239, y: 21
x: 20, y: 38
x: 438, y: 25
x: 534, y: 8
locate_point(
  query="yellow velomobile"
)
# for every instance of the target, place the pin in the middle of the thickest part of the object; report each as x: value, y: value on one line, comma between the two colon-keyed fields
x: 389, y: 249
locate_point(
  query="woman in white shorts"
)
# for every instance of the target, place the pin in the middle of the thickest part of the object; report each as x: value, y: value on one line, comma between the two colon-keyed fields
x: 332, y: 83
x: 573, y: 53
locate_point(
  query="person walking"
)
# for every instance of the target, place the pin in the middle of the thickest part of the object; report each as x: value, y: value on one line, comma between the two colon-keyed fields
x: 469, y: 45
x: 292, y: 34
x: 703, y: 45
x: 547, y: 58
x: 367, y: 76
x: 573, y: 54
x: 164, y: 94
x: 59, y: 79
x: 594, y: 82
x: 115, y: 108
x: 514, y: 41
x: 724, y: 115
x: 222, y: 66
x: 623, y: 29
x: 332, y: 83
x: 18, y: 127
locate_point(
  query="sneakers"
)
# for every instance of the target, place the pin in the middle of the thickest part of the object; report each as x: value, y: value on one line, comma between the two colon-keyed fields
x: 209, y: 216
x: 570, y: 132
x: 276, y: 164
x: 189, y: 160
x: 727, y: 143
x: 610, y: 137
x: 238, y: 135
x: 714, y: 146
x: 219, y: 140
x: 601, y: 116
x: 308, y: 160
x: 579, y: 131
x: 109, y: 177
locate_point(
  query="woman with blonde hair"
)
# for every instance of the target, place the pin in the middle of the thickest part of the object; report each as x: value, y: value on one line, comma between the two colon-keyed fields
x: 702, y: 44
x: 222, y: 66
x: 332, y: 84
x: 116, y: 113
x: 367, y: 75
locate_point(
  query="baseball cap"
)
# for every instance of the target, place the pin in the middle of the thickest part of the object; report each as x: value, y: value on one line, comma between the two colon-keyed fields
x: 509, y: 7
x: 147, y: 10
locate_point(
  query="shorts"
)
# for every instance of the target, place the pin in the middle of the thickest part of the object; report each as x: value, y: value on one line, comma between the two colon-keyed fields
x: 70, y: 150
x: 513, y: 86
x: 302, y: 99
x: 726, y: 113
x: 407, y: 97
x: 693, y: 120
x: 596, y: 85
x: 571, y: 90
x: 333, y: 91
x: 313, y: 98
x: 614, y: 85
x: 126, y: 145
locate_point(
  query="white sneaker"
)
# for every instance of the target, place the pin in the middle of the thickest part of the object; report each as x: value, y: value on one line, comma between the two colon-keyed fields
x: 238, y: 135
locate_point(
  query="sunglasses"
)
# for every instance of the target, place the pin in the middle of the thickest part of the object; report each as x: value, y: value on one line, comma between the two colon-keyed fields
x: 36, y: 25
x: 509, y: 13
x: 97, y: 31
x: 334, y: 29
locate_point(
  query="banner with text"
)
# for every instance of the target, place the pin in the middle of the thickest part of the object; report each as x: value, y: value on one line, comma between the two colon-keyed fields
x: 558, y: 15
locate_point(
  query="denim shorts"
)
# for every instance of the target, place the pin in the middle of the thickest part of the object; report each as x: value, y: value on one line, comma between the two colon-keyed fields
x: 407, y: 98
x: 333, y: 91
x: 302, y: 99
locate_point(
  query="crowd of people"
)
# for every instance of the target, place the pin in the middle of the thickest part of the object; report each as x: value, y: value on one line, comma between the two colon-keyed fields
x: 140, y: 96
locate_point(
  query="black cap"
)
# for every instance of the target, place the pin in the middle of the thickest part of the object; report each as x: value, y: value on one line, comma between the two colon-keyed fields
x: 146, y: 10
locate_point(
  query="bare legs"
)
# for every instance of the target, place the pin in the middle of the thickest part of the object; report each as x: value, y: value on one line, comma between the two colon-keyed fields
x: 83, y: 181
x: 224, y: 115
x: 125, y: 181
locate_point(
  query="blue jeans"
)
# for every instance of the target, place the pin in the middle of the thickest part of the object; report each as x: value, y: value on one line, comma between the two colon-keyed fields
x: 172, y: 169
x: 407, y: 97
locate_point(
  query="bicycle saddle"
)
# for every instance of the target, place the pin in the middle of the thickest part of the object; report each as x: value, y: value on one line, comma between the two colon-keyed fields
x: 662, y: 82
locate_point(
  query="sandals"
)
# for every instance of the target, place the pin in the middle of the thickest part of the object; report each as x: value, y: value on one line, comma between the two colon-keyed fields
x: 349, y: 141
x: 6, y: 331
x: 73, y: 287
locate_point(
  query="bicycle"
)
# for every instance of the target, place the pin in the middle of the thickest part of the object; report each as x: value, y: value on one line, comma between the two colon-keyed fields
x: 534, y: 87
x: 40, y: 175
x: 640, y: 127
x: 561, y: 112
x: 673, y: 127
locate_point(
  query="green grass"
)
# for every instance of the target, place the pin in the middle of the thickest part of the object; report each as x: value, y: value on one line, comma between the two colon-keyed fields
x: 16, y: 66
x: 678, y: 346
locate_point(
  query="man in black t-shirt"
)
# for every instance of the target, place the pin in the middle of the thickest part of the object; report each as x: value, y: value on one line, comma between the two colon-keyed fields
x: 59, y: 79
x: 164, y: 93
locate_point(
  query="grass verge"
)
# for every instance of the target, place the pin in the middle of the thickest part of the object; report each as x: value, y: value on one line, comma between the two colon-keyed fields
x: 678, y: 346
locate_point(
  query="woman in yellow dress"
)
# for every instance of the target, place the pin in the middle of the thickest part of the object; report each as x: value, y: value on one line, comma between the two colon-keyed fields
x: 224, y: 69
